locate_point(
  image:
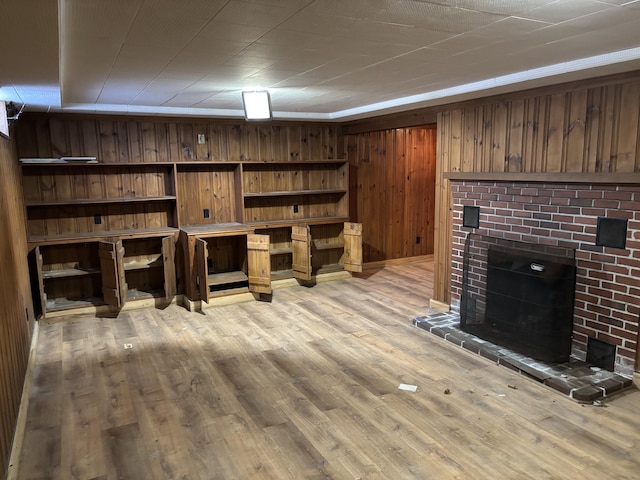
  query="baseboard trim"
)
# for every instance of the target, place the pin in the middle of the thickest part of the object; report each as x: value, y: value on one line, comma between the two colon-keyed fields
x: 439, y: 306
x: 397, y: 261
x: 21, y: 422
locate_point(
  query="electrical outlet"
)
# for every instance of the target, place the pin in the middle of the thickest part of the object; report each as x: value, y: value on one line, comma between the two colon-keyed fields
x: 295, y: 208
x: 205, y: 213
x: 201, y: 139
x: 128, y: 346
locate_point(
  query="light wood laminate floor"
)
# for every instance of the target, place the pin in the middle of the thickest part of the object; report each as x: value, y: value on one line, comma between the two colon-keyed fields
x: 304, y: 387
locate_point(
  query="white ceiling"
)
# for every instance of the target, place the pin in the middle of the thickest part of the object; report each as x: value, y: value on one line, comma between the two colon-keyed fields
x: 321, y: 59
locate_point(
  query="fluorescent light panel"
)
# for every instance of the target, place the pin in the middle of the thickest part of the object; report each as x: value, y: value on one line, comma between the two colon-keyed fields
x: 257, y: 105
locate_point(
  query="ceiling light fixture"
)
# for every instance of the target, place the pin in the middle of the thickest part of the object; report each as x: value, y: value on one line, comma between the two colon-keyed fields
x: 257, y: 105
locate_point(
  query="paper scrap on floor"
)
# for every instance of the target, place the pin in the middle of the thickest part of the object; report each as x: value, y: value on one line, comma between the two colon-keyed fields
x: 408, y: 388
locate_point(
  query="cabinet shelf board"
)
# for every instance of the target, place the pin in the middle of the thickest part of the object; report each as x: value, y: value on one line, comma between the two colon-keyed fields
x: 225, y: 278
x: 281, y: 274
x: 69, y: 272
x: 281, y: 251
x: 218, y: 229
x: 134, y: 294
x: 228, y: 291
x: 141, y: 265
x: 97, y: 236
x: 267, y: 165
x: 60, y: 163
x: 94, y: 201
x: 327, y: 246
x: 285, y: 193
x: 329, y: 269
x: 297, y: 221
x: 59, y: 304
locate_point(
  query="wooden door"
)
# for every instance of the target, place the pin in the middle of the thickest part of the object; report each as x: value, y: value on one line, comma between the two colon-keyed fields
x: 37, y: 282
x: 301, y: 241
x: 168, y: 259
x: 122, y: 279
x: 110, y: 275
x: 352, y: 247
x: 201, y: 255
x: 259, y: 263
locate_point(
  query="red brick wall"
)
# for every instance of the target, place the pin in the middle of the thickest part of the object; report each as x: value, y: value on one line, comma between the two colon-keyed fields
x: 607, y: 305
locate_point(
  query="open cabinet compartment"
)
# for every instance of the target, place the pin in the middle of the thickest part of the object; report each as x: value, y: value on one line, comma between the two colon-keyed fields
x: 69, y: 276
x: 280, y: 252
x: 149, y: 267
x: 231, y: 264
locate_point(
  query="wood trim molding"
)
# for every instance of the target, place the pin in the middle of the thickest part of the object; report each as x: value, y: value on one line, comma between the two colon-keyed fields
x: 439, y: 306
x: 598, y: 178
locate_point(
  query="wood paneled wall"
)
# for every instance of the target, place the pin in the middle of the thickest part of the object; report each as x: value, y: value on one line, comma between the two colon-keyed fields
x: 16, y: 311
x: 577, y: 132
x: 131, y: 139
x: 393, y: 190
x: 392, y: 174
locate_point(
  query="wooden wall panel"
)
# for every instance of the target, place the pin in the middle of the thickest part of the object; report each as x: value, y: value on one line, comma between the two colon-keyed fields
x: 16, y: 311
x: 585, y: 128
x: 578, y: 131
x: 127, y: 139
x: 392, y: 190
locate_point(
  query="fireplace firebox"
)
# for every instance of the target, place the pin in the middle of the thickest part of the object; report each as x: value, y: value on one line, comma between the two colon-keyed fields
x: 519, y: 295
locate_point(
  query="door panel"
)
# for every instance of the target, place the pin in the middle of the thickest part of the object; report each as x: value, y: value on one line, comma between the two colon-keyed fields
x: 168, y: 259
x: 259, y: 263
x: 353, y: 247
x: 37, y: 283
x: 109, y: 269
x: 301, y: 241
x: 122, y: 280
x: 201, y: 255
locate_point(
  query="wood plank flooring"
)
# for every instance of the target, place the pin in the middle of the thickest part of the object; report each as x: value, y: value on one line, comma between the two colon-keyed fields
x: 304, y: 387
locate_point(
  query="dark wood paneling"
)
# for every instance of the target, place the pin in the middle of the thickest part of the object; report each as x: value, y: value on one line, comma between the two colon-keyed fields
x: 393, y: 188
x: 582, y: 131
x: 16, y: 311
x: 132, y: 139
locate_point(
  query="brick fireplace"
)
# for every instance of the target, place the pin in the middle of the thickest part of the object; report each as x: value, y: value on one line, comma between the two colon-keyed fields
x: 607, y: 297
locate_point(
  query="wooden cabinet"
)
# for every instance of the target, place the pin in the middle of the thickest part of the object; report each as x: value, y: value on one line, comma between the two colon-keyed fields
x: 104, y: 234
x: 303, y: 208
x: 225, y: 259
x: 104, y: 272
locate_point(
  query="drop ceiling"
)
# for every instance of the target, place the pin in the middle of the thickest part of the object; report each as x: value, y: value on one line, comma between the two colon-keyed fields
x: 330, y: 60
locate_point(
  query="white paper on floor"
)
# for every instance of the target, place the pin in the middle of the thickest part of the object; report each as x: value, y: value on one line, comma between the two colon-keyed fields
x: 408, y: 388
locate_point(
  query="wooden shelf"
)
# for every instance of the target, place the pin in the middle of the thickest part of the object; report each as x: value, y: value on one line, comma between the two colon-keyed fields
x: 94, y: 164
x: 330, y: 269
x: 297, y: 221
x: 327, y: 246
x: 134, y: 294
x: 288, y: 193
x: 140, y: 265
x: 69, y: 272
x: 281, y: 274
x: 93, y: 201
x: 226, y: 278
x: 60, y: 303
x: 281, y: 251
x: 96, y: 236
x: 218, y: 229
